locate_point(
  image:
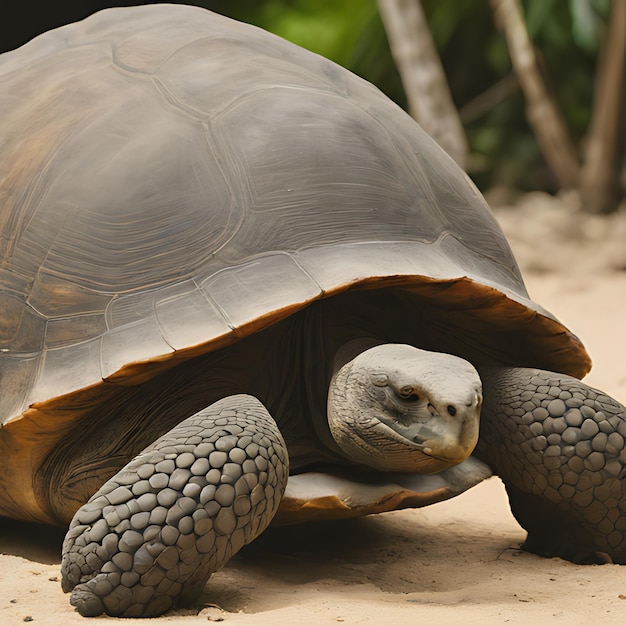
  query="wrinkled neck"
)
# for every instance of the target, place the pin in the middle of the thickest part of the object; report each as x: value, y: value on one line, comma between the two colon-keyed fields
x: 328, y: 344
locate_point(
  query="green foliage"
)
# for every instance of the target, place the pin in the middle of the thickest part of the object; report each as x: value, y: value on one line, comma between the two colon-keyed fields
x: 588, y: 22
x: 567, y: 36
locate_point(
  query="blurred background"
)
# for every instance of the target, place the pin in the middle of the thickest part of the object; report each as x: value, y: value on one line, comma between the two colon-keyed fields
x: 524, y: 95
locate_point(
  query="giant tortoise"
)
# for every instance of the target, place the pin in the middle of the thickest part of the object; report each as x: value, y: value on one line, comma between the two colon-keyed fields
x: 225, y: 261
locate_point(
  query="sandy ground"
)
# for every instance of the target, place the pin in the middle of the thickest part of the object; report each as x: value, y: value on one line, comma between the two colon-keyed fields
x: 451, y: 563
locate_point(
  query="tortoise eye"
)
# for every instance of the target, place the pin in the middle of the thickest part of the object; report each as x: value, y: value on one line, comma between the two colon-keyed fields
x: 408, y: 393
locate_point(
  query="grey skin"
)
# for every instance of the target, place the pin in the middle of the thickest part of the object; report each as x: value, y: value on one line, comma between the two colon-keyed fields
x: 396, y: 408
x: 559, y: 447
x: 149, y: 539
x: 154, y: 533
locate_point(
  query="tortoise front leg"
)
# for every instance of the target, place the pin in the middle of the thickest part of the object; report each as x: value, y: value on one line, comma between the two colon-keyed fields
x: 152, y: 535
x: 558, y: 445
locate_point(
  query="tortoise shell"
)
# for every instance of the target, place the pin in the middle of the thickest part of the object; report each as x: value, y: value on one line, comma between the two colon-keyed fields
x: 176, y: 181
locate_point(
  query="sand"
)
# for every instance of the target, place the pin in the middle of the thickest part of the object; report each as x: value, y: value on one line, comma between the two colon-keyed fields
x: 457, y: 562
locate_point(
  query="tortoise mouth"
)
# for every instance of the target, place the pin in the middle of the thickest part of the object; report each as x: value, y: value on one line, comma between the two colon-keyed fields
x: 386, y: 450
x: 437, y: 451
x: 440, y: 438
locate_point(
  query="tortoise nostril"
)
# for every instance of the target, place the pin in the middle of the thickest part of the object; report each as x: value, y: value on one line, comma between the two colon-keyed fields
x: 451, y: 410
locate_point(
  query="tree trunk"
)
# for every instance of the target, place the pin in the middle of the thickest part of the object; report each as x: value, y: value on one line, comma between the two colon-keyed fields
x: 543, y: 115
x: 600, y: 184
x: 423, y: 78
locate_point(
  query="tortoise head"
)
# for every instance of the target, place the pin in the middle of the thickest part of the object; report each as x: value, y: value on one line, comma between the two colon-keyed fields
x: 395, y: 407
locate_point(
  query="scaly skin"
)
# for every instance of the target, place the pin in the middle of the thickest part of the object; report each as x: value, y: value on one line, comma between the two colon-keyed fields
x: 152, y: 535
x: 559, y: 447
